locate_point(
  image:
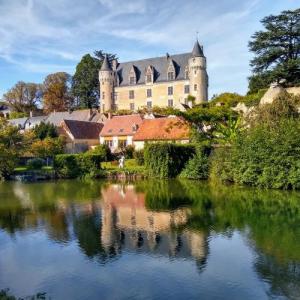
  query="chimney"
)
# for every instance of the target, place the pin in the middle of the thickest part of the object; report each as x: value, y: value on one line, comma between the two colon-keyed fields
x: 167, y: 55
x: 31, y: 114
x: 114, y: 64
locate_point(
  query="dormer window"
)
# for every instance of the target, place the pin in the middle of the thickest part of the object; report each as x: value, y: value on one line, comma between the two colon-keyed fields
x: 149, y: 76
x: 186, y: 73
x: 132, y: 76
x: 170, y: 75
x: 135, y: 127
x: 171, y: 71
x: 132, y: 80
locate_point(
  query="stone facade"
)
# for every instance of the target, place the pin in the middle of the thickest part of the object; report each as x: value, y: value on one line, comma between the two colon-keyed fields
x: 161, y: 81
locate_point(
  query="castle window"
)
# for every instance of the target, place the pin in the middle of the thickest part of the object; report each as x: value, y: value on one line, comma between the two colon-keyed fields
x: 131, y: 80
x: 186, y: 89
x: 149, y: 93
x: 170, y: 75
x: 103, y: 95
x: 195, y: 87
x: 170, y: 102
x: 149, y: 104
x: 131, y: 106
x: 149, y: 78
x: 131, y: 94
x: 170, y: 90
x: 186, y: 73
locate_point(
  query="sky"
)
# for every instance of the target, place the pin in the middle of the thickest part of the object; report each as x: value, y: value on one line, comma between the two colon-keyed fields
x: 38, y: 37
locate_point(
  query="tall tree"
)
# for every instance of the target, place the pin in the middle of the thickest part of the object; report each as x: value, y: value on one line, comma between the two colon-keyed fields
x: 24, y: 97
x: 277, y: 51
x: 57, y: 92
x: 85, y: 86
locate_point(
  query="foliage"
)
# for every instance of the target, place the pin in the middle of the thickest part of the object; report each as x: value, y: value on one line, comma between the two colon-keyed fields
x: 265, y: 156
x: 17, y: 115
x: 277, y: 50
x: 138, y: 155
x: 57, y: 92
x: 44, y: 130
x: 227, y: 99
x: 35, y: 163
x: 78, y: 165
x: 12, y: 145
x: 128, y: 151
x: 165, y: 160
x: 198, y: 166
x: 103, y: 151
x: 48, y: 147
x: 85, y: 85
x: 24, y: 97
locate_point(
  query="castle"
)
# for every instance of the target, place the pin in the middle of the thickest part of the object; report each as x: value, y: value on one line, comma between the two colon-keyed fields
x: 161, y: 81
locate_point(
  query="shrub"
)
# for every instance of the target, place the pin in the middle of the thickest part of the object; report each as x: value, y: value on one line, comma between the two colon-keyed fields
x: 165, y: 160
x: 45, y: 130
x: 103, y: 151
x: 129, y: 150
x: 35, y: 163
x: 139, y: 157
x: 198, y: 166
x: 78, y: 165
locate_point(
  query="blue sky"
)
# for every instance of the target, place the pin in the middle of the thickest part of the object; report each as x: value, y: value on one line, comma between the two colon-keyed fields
x: 38, y: 37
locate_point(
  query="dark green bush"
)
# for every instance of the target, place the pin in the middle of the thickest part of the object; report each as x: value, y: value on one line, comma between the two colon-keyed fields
x: 129, y: 150
x: 139, y: 157
x: 35, y: 163
x: 165, y: 160
x: 198, y: 166
x: 78, y: 165
x: 102, y: 150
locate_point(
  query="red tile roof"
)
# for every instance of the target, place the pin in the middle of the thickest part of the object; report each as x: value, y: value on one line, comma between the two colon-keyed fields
x: 83, y: 130
x: 121, y: 125
x: 170, y: 128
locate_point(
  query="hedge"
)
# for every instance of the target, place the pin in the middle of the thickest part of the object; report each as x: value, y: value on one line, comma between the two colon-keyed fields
x: 165, y: 160
x: 78, y: 165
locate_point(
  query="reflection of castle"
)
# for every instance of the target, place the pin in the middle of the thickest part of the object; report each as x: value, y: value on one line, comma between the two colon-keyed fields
x: 127, y: 224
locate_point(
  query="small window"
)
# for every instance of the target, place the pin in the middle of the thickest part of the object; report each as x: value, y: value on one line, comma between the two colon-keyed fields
x: 186, y: 75
x: 170, y: 102
x: 131, y: 94
x: 110, y: 130
x: 186, y: 89
x: 170, y: 75
x: 131, y: 106
x: 149, y: 93
x: 103, y: 95
x: 149, y: 104
x: 170, y: 90
x: 121, y: 130
x: 195, y: 87
x: 135, y: 127
x: 131, y: 80
x: 149, y: 78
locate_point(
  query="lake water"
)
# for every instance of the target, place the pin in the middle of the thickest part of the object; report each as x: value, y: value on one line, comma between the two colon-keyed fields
x: 148, y: 240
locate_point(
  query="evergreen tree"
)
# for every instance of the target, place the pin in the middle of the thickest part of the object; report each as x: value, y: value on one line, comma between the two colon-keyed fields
x: 277, y: 51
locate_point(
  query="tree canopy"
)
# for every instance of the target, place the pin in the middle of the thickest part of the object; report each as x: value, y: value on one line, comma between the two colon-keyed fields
x: 277, y: 51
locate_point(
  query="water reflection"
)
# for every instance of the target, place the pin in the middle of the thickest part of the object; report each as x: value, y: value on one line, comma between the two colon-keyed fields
x: 186, y: 222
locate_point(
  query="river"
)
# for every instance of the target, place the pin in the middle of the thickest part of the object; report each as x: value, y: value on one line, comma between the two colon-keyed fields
x: 148, y: 240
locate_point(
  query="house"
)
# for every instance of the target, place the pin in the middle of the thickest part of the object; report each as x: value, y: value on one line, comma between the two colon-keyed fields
x: 4, y: 110
x: 31, y: 122
x: 164, y: 81
x: 172, y: 129
x: 80, y: 135
x: 118, y: 131
x: 19, y: 122
x: 86, y: 115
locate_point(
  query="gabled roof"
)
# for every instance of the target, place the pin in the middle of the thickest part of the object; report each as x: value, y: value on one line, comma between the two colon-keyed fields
x: 20, y: 122
x: 82, y: 130
x: 159, y: 64
x: 121, y: 125
x: 162, y: 129
x: 87, y: 115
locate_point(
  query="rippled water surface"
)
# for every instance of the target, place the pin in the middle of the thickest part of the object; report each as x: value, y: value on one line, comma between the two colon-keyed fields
x: 148, y: 240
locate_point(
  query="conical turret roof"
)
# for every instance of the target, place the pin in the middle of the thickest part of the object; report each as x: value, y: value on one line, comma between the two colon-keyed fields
x: 105, y: 64
x: 197, y: 50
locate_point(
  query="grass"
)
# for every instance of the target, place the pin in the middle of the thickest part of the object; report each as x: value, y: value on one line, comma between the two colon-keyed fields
x: 21, y: 169
x: 130, y: 167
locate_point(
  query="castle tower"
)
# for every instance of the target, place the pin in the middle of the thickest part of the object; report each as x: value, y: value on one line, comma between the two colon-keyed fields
x: 198, y: 75
x: 106, y: 80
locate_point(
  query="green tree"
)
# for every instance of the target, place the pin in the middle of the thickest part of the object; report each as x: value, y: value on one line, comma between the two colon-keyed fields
x: 24, y: 97
x: 49, y: 147
x: 44, y: 130
x: 85, y: 86
x: 57, y: 92
x: 277, y: 51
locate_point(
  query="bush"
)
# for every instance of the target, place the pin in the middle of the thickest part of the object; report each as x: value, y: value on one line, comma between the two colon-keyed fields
x: 165, y: 160
x: 263, y: 156
x: 129, y: 150
x: 35, y: 163
x: 78, y: 165
x: 139, y: 157
x: 198, y: 166
x: 103, y: 151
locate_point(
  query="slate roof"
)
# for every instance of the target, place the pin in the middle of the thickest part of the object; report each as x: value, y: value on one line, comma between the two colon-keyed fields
x: 121, y: 125
x: 36, y: 120
x: 20, y: 122
x: 105, y: 65
x: 83, y: 130
x: 162, y: 129
x: 160, y: 65
x: 197, y: 50
x: 56, y: 118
